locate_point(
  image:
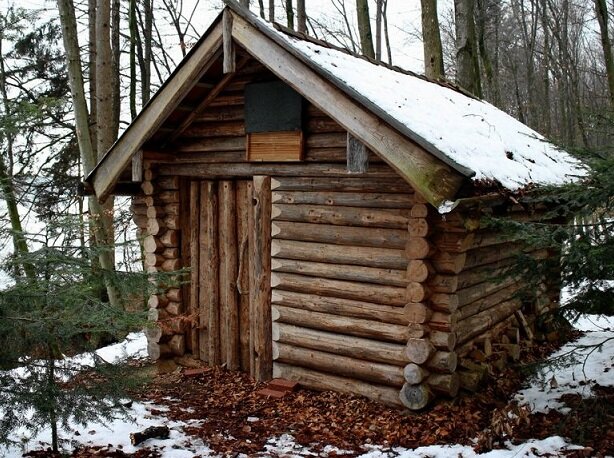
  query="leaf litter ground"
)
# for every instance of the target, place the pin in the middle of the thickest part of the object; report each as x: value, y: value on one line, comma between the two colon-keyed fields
x: 218, y: 412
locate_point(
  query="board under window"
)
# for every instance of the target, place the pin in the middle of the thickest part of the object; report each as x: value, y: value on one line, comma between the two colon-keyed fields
x: 273, y: 122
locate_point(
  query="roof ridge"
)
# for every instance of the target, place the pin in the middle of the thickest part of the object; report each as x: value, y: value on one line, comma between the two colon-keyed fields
x: 325, y: 44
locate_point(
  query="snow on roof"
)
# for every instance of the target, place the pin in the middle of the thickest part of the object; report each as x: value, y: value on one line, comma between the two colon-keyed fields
x: 468, y: 131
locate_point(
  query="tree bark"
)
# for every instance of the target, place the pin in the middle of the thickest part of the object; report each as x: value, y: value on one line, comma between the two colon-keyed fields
x: 467, y: 66
x: 364, y: 28
x: 101, y: 226
x: 301, y: 16
x: 290, y: 14
x: 271, y: 10
x: 431, y: 39
x: 601, y: 10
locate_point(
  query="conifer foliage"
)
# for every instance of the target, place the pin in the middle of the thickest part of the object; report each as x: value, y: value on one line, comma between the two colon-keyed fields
x: 579, y: 224
x: 61, y: 313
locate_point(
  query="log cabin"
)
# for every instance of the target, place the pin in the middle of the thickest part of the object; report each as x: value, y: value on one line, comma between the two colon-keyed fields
x: 327, y: 208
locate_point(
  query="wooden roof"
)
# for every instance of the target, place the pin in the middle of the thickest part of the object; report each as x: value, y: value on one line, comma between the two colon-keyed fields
x: 427, y: 170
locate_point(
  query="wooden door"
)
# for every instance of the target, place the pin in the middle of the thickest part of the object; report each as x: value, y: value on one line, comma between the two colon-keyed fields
x: 230, y: 273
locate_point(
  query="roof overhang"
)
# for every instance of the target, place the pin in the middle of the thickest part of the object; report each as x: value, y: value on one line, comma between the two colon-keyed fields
x: 434, y: 178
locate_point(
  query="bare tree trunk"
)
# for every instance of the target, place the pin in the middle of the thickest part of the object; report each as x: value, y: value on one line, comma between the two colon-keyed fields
x: 261, y: 7
x: 483, y: 50
x: 301, y: 16
x: 133, y: 38
x: 386, y: 34
x: 91, y: 68
x: 364, y: 28
x: 601, y: 9
x: 271, y: 10
x: 147, y: 41
x: 75, y: 79
x: 379, y: 9
x: 546, y: 117
x: 467, y: 65
x: 115, y: 52
x: 290, y: 14
x: 245, y: 3
x: 431, y: 40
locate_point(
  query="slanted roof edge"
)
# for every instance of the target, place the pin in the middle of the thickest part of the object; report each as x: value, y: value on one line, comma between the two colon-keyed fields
x: 374, y: 108
x: 92, y: 176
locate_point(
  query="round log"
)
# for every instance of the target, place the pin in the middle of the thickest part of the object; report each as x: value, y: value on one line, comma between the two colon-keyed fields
x: 417, y: 292
x: 155, y: 212
x: 321, y: 381
x: 153, y: 259
x: 171, y: 222
x: 418, y: 248
x: 174, y: 308
x: 442, y: 321
x: 415, y: 374
x: 171, y: 253
x: 388, y: 277
x: 355, y: 347
x: 387, y: 258
x: 416, y: 330
x: 140, y: 220
x: 443, y: 340
x: 419, y: 350
x: 418, y: 227
x: 386, y: 295
x: 153, y: 333
x: 174, y: 295
x: 443, y: 361
x: 419, y: 211
x: 419, y: 271
x: 327, y: 322
x: 171, y: 209
x: 447, y: 384
x: 169, y: 239
x: 170, y: 265
x: 369, y: 371
x: 177, y: 345
x: 342, y: 307
x: 415, y: 397
x: 157, y: 351
x: 152, y: 244
x: 157, y: 301
x: 155, y: 226
x: 449, y: 263
x: 168, y: 197
x: 147, y: 187
x: 148, y: 174
x: 417, y: 312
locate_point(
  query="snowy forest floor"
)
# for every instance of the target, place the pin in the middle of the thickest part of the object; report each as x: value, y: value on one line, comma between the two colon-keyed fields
x: 564, y: 410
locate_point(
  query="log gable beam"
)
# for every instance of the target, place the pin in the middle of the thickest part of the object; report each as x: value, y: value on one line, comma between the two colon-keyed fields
x: 229, y: 64
x: 107, y: 172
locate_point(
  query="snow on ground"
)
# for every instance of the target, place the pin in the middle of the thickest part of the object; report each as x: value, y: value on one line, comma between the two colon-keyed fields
x: 580, y: 365
x: 592, y: 367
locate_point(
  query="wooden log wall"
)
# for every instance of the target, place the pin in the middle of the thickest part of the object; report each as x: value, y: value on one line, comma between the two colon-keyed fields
x: 157, y: 213
x: 472, y: 292
x: 340, y: 319
x: 372, y: 292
